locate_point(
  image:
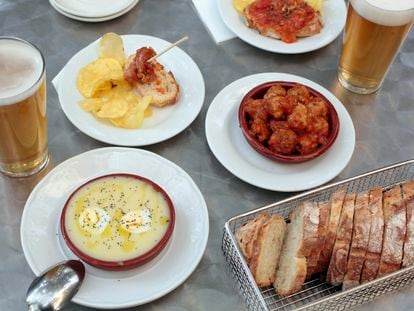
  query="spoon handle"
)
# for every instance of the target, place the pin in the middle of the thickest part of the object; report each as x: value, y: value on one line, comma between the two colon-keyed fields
x: 33, y: 308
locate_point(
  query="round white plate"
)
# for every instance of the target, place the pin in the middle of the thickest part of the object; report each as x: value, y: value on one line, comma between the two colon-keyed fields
x: 165, y: 122
x: 230, y: 147
x: 93, y: 8
x: 333, y: 18
x: 92, y: 19
x: 43, y: 245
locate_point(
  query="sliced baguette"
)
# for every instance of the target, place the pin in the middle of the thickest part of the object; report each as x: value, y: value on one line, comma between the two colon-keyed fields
x: 254, y: 21
x: 310, y: 236
x: 339, y: 259
x: 266, y: 251
x: 337, y: 200
x: 373, y: 255
x: 394, y: 231
x: 300, y: 238
x: 164, y: 90
x: 247, y: 234
x: 359, y: 243
x: 312, y: 263
x: 408, y: 195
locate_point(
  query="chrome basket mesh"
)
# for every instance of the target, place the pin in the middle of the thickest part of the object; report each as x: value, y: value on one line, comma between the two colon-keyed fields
x: 316, y: 294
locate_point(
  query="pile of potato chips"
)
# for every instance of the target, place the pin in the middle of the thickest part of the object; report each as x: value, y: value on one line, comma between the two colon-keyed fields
x: 107, y: 94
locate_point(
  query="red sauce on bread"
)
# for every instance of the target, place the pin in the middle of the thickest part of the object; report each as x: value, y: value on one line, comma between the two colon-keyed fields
x: 285, y: 17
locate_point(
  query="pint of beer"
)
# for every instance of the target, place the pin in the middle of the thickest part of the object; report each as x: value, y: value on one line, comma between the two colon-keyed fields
x: 23, y: 126
x: 374, y: 32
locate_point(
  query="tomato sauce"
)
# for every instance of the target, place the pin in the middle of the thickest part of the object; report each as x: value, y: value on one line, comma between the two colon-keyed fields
x: 286, y: 17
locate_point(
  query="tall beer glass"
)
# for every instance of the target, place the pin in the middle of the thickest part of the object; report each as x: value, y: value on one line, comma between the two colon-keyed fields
x: 23, y: 126
x: 374, y: 32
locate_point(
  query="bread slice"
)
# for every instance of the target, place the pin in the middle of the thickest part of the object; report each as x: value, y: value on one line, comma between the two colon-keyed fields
x: 164, y: 90
x: 301, y: 237
x: 373, y: 255
x: 394, y: 231
x: 337, y: 200
x: 408, y: 195
x: 248, y: 232
x: 266, y: 251
x: 256, y: 21
x: 313, y: 27
x: 310, y: 236
x: 339, y: 258
x: 312, y: 263
x: 359, y: 243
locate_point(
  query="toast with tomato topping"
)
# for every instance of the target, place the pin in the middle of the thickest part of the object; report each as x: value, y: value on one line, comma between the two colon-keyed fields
x: 150, y: 78
x: 283, y: 19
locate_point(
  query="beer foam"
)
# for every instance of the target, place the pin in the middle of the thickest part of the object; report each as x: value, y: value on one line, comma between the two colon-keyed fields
x: 385, y: 12
x: 21, y: 69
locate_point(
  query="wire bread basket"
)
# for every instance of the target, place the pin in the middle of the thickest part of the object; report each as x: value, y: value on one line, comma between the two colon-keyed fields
x: 316, y: 294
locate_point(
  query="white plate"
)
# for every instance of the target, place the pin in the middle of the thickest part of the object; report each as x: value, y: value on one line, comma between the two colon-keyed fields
x: 43, y: 246
x: 228, y: 144
x: 93, y: 19
x: 93, y: 8
x: 333, y: 18
x: 165, y: 122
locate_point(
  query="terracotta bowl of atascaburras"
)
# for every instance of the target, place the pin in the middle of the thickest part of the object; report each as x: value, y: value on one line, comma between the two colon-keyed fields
x: 245, y: 120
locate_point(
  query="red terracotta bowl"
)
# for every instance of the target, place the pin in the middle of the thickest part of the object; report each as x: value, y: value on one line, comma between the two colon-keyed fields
x: 130, y: 263
x: 257, y: 93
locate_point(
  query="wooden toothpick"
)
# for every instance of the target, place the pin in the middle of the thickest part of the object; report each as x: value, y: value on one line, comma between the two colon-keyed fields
x: 168, y: 48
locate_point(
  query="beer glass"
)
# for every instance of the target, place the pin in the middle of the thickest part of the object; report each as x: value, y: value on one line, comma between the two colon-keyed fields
x: 23, y: 126
x: 374, y: 32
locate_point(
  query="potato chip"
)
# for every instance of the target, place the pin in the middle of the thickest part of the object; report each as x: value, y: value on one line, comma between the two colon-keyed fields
x: 240, y: 5
x: 91, y: 104
x: 114, y: 107
x: 122, y: 84
x: 144, y: 102
x: 107, y: 95
x: 98, y: 76
x: 148, y: 112
x: 111, y: 46
x: 135, y: 116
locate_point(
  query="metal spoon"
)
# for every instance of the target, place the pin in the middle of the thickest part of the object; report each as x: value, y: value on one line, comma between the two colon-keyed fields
x: 55, y: 287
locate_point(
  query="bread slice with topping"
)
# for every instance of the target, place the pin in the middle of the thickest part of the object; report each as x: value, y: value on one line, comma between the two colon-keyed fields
x: 373, y: 255
x: 359, y: 243
x: 257, y: 18
x: 336, y: 202
x: 164, y: 90
x: 394, y: 231
x: 266, y: 250
x: 312, y: 262
x: 301, y: 237
x: 248, y: 232
x: 339, y: 258
x: 408, y: 195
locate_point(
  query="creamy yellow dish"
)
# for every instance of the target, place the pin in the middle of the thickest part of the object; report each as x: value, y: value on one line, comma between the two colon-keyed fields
x: 116, y: 218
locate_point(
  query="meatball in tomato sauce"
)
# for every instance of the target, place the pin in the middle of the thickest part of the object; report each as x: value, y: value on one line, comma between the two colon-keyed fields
x: 289, y: 120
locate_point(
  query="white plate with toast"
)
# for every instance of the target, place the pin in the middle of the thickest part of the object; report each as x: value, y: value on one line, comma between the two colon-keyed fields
x: 230, y: 147
x: 333, y: 20
x: 165, y: 122
x: 43, y: 244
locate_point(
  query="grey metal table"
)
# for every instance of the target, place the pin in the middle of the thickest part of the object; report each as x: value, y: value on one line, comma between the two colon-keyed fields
x: 383, y: 121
